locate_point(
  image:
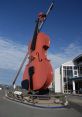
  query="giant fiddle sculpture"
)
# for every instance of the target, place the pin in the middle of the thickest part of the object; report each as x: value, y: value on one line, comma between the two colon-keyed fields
x: 38, y: 73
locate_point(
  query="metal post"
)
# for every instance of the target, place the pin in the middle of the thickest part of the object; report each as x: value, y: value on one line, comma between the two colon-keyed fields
x: 73, y: 83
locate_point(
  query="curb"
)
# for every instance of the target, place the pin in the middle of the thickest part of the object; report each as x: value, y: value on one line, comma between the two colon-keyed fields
x: 35, y: 105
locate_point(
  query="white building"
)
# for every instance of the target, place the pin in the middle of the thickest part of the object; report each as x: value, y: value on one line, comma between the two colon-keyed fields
x: 68, y: 77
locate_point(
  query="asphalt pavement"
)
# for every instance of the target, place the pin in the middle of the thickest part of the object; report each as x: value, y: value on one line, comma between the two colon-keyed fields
x: 14, y: 109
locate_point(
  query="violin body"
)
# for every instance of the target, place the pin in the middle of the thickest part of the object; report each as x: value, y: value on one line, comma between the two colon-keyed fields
x: 38, y: 73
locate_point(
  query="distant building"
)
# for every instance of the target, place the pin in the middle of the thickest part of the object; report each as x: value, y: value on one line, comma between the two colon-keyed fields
x: 68, y: 77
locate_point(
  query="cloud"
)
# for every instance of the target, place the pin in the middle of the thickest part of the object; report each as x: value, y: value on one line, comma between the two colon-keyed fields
x: 68, y: 53
x: 11, y: 54
x: 73, y: 50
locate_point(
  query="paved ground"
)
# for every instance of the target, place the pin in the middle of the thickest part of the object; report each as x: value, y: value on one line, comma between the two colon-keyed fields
x: 76, y: 102
x: 14, y: 109
x: 75, y: 99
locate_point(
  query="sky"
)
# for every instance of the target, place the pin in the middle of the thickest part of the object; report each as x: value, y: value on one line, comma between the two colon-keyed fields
x: 17, y: 22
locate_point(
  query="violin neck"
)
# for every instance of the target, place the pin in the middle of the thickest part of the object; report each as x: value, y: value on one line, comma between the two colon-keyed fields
x: 39, y: 23
x: 33, y: 44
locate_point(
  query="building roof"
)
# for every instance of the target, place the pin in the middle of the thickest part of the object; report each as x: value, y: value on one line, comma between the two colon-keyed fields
x: 69, y: 63
x: 78, y: 60
x: 76, y: 79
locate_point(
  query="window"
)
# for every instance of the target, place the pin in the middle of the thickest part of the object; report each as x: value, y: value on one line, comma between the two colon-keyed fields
x: 70, y: 73
x: 67, y: 72
x: 75, y: 67
x: 75, y: 72
x: 64, y: 67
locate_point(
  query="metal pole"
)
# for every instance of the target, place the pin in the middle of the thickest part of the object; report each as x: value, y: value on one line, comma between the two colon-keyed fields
x: 20, y: 68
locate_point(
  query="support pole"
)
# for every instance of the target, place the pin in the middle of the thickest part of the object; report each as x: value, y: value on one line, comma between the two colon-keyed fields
x: 19, y: 70
x: 73, y: 84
